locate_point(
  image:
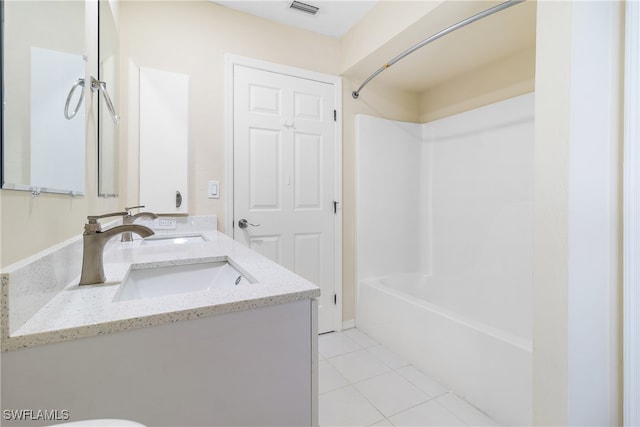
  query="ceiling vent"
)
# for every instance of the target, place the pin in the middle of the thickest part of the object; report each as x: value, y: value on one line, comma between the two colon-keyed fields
x: 307, y: 8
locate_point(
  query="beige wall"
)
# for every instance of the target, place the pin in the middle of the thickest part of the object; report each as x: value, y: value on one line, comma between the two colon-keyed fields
x: 500, y: 80
x: 31, y: 224
x: 553, y: 83
x: 192, y: 38
x: 384, y: 22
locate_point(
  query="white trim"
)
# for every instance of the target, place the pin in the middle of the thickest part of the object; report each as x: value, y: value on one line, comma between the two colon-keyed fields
x: 315, y: 392
x: 230, y: 62
x: 228, y: 145
x: 631, y: 221
x: 356, y: 213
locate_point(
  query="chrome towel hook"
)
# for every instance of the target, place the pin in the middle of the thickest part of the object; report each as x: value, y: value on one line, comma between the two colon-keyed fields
x: 96, y: 85
x: 101, y: 87
x: 67, y: 115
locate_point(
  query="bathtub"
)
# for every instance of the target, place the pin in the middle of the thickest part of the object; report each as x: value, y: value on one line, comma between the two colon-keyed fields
x: 471, y: 344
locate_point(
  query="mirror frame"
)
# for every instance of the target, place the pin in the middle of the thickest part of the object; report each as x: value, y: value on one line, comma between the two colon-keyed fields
x: 100, y: 111
x: 2, y: 94
x: 103, y: 113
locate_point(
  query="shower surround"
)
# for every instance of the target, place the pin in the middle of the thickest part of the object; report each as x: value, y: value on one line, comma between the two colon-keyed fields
x: 445, y: 249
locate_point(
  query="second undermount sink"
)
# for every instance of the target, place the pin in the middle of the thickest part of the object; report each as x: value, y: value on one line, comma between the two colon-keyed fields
x: 157, y: 240
x: 177, y: 279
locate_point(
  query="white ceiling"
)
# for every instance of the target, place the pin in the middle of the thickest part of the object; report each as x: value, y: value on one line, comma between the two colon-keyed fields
x: 333, y: 19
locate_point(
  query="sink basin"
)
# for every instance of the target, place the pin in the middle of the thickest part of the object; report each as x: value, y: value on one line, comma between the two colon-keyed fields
x: 177, y: 279
x: 172, y: 240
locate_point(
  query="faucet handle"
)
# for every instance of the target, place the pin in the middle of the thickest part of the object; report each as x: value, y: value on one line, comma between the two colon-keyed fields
x: 133, y: 207
x: 93, y: 226
x: 93, y: 219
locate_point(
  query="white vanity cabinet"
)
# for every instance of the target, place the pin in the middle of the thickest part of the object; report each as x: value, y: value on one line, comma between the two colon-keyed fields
x: 251, y: 367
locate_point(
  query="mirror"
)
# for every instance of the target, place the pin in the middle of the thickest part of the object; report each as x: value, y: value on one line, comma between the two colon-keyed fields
x: 43, y: 71
x: 108, y: 69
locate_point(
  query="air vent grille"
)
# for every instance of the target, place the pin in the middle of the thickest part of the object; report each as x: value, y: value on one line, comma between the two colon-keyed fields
x: 307, y: 8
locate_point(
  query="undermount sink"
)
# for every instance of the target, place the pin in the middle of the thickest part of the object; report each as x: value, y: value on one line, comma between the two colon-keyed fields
x: 177, y: 279
x: 172, y: 239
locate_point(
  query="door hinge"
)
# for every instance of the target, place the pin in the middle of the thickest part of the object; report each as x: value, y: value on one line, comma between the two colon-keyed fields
x: 335, y: 207
x: 335, y: 115
x: 335, y: 299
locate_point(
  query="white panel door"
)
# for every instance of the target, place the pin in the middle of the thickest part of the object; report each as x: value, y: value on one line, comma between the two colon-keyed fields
x: 285, y: 175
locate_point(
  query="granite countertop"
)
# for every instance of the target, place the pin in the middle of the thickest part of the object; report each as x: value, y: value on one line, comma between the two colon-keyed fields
x: 90, y: 310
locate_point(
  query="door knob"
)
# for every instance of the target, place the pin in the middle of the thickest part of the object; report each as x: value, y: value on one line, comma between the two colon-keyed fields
x: 243, y: 223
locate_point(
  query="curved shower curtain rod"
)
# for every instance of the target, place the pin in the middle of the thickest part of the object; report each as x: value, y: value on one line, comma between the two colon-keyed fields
x: 436, y: 36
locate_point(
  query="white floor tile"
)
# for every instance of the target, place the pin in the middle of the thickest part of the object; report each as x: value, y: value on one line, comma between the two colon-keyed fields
x: 336, y: 343
x: 360, y: 337
x: 463, y: 410
x: 388, y: 357
x: 358, y: 366
x: 329, y: 378
x: 363, y: 383
x: 426, y: 414
x: 347, y: 407
x: 383, y: 423
x: 390, y: 393
x: 422, y: 381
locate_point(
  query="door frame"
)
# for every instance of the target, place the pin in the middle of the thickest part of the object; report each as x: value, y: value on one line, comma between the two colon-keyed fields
x: 230, y: 62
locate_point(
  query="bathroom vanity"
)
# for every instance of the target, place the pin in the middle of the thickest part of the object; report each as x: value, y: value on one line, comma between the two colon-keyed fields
x: 239, y: 352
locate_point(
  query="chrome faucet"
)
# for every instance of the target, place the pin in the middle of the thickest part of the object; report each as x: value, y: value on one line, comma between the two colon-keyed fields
x: 130, y: 219
x: 93, y: 242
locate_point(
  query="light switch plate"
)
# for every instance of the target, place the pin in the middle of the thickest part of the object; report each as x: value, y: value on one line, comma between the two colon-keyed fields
x: 214, y: 189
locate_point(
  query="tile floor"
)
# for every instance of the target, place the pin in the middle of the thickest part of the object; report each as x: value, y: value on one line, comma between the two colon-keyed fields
x: 361, y: 383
